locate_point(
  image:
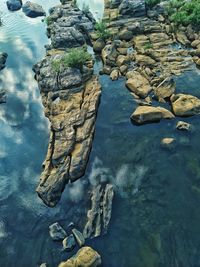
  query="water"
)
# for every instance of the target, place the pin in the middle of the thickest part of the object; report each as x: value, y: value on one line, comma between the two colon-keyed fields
x: 156, y: 216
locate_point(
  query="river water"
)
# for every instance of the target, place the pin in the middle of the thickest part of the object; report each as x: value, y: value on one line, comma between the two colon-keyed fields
x: 156, y: 210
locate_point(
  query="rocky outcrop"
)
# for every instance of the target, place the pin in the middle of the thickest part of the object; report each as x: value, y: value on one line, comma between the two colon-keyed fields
x: 68, y: 27
x: 56, y: 232
x: 14, y: 5
x: 185, y: 105
x: 33, y: 10
x: 134, y: 8
x: 70, y: 97
x: 146, y: 114
x: 85, y: 257
x: 98, y: 217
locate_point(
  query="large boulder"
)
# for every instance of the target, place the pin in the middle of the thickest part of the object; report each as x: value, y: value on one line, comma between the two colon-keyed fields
x: 14, y: 5
x: 185, y: 105
x: 85, y: 257
x: 138, y: 84
x: 132, y: 8
x: 147, y: 114
x: 33, y: 10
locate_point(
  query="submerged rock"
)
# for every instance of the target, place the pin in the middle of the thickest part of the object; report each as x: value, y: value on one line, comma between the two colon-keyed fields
x: 183, y: 126
x: 85, y: 257
x: 185, y: 105
x: 168, y: 142
x: 78, y: 237
x: 43, y: 265
x: 14, y: 5
x: 56, y: 232
x: 98, y: 217
x: 69, y: 243
x: 147, y: 114
x: 33, y: 10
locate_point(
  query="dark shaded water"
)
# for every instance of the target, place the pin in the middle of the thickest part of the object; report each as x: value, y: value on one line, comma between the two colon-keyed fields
x: 156, y: 209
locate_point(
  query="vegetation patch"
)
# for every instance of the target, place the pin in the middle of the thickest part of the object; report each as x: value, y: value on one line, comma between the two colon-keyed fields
x: 102, y: 30
x: 152, y: 3
x: 74, y: 58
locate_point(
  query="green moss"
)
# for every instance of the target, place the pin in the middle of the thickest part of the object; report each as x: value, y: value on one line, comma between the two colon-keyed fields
x: 102, y: 31
x: 148, y: 46
x: 152, y: 3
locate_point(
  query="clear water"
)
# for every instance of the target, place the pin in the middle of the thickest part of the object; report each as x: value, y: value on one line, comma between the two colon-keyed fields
x: 156, y: 210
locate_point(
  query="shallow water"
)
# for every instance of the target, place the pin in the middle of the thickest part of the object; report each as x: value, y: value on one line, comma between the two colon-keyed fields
x: 156, y: 212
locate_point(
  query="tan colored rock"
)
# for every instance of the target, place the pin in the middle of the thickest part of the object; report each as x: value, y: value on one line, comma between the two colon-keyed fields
x: 121, y: 60
x: 165, y: 89
x: 125, y: 34
x: 138, y: 84
x: 123, y: 69
x: 185, y: 105
x: 144, y: 60
x: 114, y: 74
x: 85, y: 257
x: 183, y: 126
x: 168, y: 142
x: 147, y: 114
x: 195, y: 43
x: 182, y: 38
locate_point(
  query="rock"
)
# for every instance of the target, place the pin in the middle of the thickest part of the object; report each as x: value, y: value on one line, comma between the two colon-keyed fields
x: 106, y: 70
x: 147, y: 114
x: 144, y: 60
x: 14, y: 5
x: 125, y: 35
x: 3, y: 58
x: 98, y: 217
x: 43, y: 265
x: 98, y: 45
x: 33, y: 10
x: 69, y: 243
x: 85, y: 257
x: 121, y: 60
x: 2, y: 96
x: 56, y: 232
x: 182, y: 38
x: 71, y: 101
x: 185, y: 105
x: 168, y: 143
x: 132, y: 8
x: 123, y: 69
x: 165, y: 89
x: 114, y: 75
x: 72, y: 27
x: 183, y: 126
x: 78, y: 237
x: 138, y: 84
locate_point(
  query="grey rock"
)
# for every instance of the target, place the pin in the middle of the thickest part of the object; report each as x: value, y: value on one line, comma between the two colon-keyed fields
x: 98, y: 217
x: 2, y: 96
x: 78, y: 237
x: 69, y: 243
x: 33, y: 10
x: 3, y: 58
x: 43, y: 265
x: 56, y: 232
x: 131, y: 8
x: 183, y: 126
x: 14, y: 5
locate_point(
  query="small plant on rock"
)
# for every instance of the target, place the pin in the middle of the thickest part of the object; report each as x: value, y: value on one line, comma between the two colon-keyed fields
x: 152, y: 3
x: 102, y: 31
x: 76, y: 58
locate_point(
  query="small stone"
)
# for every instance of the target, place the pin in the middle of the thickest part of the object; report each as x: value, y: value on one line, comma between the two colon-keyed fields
x: 33, y: 10
x: 168, y: 142
x: 183, y: 126
x: 123, y: 69
x: 114, y: 75
x: 14, y: 5
x: 56, y: 232
x: 78, y: 237
x: 99, y: 44
x: 125, y: 34
x: 43, y: 265
x: 69, y: 243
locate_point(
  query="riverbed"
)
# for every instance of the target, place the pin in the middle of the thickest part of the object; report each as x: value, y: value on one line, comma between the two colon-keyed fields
x: 155, y: 220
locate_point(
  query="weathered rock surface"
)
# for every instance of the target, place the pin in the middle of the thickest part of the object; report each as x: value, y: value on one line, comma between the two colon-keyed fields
x: 134, y: 8
x: 147, y: 114
x: 69, y: 243
x: 33, y: 10
x: 85, y: 257
x: 70, y: 27
x: 165, y: 89
x: 14, y: 5
x: 138, y: 84
x: 80, y: 239
x: 185, y: 105
x: 56, y: 232
x: 168, y: 142
x: 98, y: 217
